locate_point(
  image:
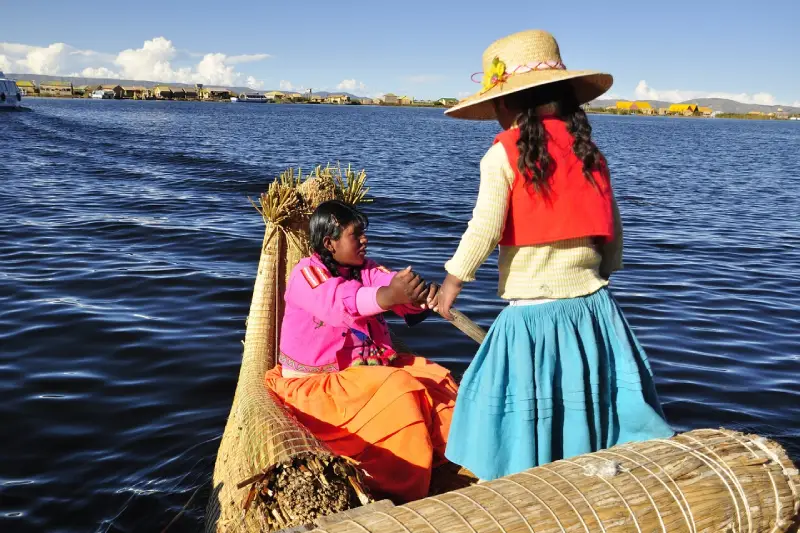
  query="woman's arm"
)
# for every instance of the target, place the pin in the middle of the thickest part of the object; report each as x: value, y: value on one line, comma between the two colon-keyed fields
x: 484, y: 229
x: 488, y: 217
x: 612, y: 251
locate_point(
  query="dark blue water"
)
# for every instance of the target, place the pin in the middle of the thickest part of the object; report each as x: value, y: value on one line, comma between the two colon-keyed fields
x: 128, y: 251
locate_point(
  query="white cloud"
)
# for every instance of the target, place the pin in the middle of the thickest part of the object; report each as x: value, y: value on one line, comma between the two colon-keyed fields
x: 796, y: 103
x: 352, y: 85
x: 54, y: 59
x: 154, y: 61
x: 463, y: 94
x: 45, y: 60
x: 286, y: 85
x: 246, y: 58
x: 425, y: 78
x: 645, y: 92
x: 99, y: 72
x: 254, y: 83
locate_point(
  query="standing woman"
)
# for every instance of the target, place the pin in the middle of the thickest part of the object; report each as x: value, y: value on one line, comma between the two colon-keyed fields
x: 560, y: 372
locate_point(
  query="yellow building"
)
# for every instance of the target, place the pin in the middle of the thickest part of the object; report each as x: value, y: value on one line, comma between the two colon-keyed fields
x: 57, y: 89
x: 85, y: 91
x: 635, y: 107
x: 116, y: 89
x: 366, y: 101
x: 27, y: 88
x: 686, y: 110
x: 337, y: 99
x: 161, y: 92
x: 134, y: 92
x: 705, y: 111
x: 275, y: 95
x: 316, y: 99
x: 406, y: 100
x: 214, y: 93
x: 390, y: 99
x: 293, y: 96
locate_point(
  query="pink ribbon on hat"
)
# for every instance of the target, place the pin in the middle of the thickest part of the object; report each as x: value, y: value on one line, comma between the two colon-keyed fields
x: 521, y: 69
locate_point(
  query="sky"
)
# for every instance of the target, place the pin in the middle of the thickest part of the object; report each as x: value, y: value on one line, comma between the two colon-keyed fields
x: 672, y: 51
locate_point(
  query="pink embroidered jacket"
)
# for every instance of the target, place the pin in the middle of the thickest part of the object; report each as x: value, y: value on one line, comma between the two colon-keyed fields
x: 331, y: 323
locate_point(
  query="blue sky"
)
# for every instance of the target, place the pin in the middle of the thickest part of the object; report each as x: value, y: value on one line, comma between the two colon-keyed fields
x: 744, y: 50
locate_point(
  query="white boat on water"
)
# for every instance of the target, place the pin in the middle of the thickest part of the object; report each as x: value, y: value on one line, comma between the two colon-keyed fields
x: 10, y: 95
x: 257, y: 98
x: 101, y: 94
x: 234, y: 99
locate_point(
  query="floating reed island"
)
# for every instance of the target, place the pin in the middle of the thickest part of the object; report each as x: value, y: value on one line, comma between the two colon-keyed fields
x: 272, y: 474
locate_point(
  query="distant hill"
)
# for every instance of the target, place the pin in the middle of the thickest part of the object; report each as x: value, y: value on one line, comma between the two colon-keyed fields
x: 722, y: 105
x: 76, y: 81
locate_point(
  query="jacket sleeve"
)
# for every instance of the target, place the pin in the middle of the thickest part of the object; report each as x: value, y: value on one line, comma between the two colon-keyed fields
x: 375, y: 275
x: 332, y: 301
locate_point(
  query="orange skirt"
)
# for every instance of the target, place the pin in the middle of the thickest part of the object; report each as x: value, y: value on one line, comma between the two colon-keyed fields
x: 394, y: 420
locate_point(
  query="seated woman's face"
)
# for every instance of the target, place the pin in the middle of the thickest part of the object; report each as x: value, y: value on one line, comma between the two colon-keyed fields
x: 351, y: 248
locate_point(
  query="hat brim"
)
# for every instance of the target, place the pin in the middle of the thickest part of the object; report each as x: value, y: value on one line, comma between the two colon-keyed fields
x: 588, y: 85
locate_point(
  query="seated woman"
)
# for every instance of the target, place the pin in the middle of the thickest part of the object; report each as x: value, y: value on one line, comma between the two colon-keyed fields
x: 337, y: 369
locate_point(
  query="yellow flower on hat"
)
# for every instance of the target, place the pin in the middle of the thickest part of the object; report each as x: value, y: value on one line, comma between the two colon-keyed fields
x: 494, y: 75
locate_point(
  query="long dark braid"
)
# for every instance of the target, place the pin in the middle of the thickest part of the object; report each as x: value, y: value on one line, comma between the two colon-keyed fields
x: 532, y: 144
x: 583, y: 146
x: 330, y: 220
x: 534, y: 161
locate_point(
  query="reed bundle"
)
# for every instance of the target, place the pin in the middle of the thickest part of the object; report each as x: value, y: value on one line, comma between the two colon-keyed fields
x: 271, y: 472
x: 702, y: 481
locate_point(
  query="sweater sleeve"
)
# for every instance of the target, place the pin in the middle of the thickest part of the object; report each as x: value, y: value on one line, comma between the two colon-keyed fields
x: 612, y: 251
x: 485, y: 229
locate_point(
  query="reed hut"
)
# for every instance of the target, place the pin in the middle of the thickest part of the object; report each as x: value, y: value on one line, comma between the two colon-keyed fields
x: 162, y: 92
x: 686, y: 110
x: 56, y: 89
x: 28, y: 88
x: 134, y: 92
x: 214, y: 93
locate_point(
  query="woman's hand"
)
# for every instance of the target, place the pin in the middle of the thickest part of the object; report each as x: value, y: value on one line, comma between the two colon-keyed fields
x: 448, y: 294
x: 406, y: 287
x: 431, y: 296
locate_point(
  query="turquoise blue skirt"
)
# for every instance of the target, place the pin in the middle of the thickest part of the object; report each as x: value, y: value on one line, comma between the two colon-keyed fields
x: 552, y: 381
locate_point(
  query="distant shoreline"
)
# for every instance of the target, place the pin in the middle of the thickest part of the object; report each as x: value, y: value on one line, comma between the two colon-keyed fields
x: 222, y: 101
x: 732, y: 116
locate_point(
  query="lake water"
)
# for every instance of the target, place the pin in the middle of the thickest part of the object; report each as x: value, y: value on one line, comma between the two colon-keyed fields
x: 129, y: 250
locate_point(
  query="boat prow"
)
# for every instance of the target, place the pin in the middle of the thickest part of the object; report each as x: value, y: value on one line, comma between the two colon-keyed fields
x: 10, y: 95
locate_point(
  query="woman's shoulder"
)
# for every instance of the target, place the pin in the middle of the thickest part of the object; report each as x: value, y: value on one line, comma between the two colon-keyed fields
x: 312, y: 270
x: 303, y: 263
x: 495, y: 164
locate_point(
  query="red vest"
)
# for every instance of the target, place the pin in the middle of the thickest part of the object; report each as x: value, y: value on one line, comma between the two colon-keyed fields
x: 572, y: 207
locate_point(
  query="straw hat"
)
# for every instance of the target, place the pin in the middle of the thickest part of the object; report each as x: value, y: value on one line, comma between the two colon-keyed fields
x: 520, y: 61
